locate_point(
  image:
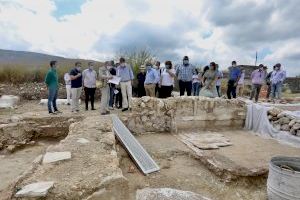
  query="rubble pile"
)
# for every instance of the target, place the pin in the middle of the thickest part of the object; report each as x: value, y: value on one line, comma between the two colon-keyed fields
x: 35, y: 91
x: 284, y: 121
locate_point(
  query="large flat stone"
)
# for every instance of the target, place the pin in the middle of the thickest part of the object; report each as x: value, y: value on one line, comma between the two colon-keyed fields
x: 167, y: 194
x: 207, y: 141
x: 51, y: 157
x: 39, y: 189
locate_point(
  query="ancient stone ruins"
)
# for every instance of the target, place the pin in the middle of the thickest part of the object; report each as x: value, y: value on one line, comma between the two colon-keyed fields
x: 199, y: 144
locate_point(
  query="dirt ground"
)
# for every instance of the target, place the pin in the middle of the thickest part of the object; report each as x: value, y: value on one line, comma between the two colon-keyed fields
x: 253, y: 151
x: 180, y: 167
x: 13, y: 165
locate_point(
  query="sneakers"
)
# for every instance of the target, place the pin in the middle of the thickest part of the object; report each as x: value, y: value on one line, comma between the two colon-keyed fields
x: 110, y: 108
x: 124, y: 109
x: 94, y: 109
x: 52, y: 113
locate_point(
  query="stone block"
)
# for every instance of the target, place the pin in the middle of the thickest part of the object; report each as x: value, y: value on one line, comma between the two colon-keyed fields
x: 167, y: 194
x: 39, y: 189
x: 51, y: 157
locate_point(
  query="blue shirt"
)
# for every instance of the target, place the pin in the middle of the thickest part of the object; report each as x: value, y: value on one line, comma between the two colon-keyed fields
x: 151, y: 76
x: 76, y: 83
x: 125, y: 73
x: 234, y: 73
x: 185, y: 72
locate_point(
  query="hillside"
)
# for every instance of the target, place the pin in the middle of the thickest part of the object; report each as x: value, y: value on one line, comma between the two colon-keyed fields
x: 10, y: 58
x: 26, y: 67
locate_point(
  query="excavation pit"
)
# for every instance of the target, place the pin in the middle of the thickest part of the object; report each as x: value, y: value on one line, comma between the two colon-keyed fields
x: 100, y: 168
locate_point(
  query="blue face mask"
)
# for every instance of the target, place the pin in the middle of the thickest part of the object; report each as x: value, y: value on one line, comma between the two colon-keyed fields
x: 185, y: 62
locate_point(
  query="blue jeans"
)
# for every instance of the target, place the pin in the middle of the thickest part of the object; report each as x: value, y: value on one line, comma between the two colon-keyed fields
x: 276, y: 90
x: 196, y: 89
x: 52, y: 96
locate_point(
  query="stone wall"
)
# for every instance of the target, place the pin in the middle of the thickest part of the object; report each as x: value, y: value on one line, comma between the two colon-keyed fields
x: 293, y: 83
x: 184, y: 113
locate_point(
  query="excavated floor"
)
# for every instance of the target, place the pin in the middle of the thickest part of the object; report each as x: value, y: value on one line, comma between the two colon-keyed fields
x: 13, y: 165
x: 96, y: 166
x: 181, y: 169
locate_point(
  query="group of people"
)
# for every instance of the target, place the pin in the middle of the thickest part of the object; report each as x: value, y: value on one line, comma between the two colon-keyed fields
x: 155, y: 81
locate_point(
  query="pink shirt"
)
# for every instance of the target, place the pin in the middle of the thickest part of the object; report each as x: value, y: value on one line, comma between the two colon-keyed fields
x: 258, y: 76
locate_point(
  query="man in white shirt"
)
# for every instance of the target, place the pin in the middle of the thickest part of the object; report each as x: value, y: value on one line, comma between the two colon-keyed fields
x: 67, y: 79
x: 167, y: 80
x: 89, y: 77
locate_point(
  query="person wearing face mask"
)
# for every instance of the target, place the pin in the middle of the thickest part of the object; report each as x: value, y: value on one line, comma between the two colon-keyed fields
x: 185, y: 74
x: 234, y: 77
x: 241, y: 84
x: 158, y: 71
x: 219, y: 80
x: 257, y: 78
x: 209, y: 79
x: 167, y: 80
x: 268, y: 82
x: 141, y: 76
x: 51, y: 81
x: 104, y: 76
x: 277, y: 78
x: 125, y: 72
x: 151, y: 80
x: 89, y: 77
x: 76, y: 86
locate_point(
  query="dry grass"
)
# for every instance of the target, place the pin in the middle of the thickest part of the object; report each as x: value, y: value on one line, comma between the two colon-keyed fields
x: 17, y: 74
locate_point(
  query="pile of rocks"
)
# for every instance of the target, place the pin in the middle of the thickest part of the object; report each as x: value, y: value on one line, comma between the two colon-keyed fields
x: 35, y: 91
x: 284, y: 122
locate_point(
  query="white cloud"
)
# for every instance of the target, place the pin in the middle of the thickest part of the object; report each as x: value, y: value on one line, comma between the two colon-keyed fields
x: 206, y: 30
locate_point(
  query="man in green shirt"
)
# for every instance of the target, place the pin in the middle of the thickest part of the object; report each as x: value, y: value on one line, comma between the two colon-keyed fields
x: 51, y: 81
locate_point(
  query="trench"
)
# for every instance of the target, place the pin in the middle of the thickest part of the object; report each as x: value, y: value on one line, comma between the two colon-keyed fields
x: 29, y: 139
x: 180, y: 169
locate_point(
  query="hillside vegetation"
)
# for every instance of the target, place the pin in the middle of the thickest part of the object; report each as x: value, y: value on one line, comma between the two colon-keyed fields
x: 22, y: 67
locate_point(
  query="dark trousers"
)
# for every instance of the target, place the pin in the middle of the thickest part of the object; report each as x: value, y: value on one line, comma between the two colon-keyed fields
x: 185, y: 86
x: 89, y: 96
x: 157, y: 90
x: 141, y: 90
x: 119, y: 99
x: 255, y: 91
x: 231, y: 89
x: 166, y: 91
x: 218, y: 90
x: 52, y: 96
x: 111, y: 95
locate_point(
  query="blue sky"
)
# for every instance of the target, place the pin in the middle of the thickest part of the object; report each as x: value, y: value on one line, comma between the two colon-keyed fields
x: 67, y: 7
x: 206, y: 30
